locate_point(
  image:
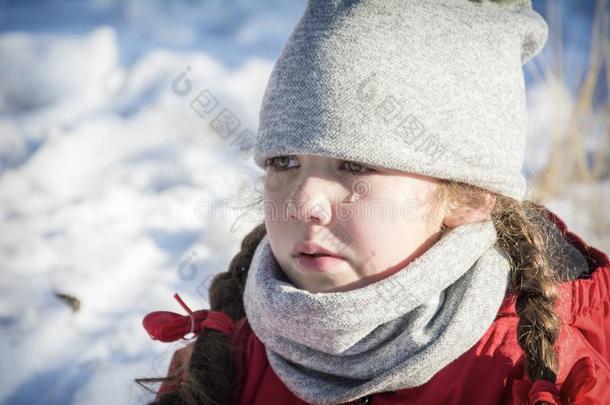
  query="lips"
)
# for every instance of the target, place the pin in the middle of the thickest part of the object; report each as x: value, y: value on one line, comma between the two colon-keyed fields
x: 312, y: 249
x: 325, y: 263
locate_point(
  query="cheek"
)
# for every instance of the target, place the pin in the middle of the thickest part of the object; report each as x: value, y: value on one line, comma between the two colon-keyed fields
x: 394, y: 226
x: 273, y: 206
x: 277, y: 184
x: 269, y: 207
x: 278, y: 198
x: 392, y: 233
x: 408, y: 202
x: 280, y: 240
x: 382, y: 246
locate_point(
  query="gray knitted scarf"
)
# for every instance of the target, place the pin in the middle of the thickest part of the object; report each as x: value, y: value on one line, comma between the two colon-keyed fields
x: 396, y: 333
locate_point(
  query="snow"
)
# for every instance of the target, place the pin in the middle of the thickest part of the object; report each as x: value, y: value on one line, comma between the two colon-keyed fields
x: 115, y: 190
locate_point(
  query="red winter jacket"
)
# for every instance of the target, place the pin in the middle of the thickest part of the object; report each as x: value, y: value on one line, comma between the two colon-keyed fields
x: 492, y: 371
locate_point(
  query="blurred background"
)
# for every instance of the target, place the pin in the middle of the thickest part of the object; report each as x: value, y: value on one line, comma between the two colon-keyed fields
x: 119, y: 186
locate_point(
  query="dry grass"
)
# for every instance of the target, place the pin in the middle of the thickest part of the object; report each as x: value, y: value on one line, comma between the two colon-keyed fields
x: 573, y: 161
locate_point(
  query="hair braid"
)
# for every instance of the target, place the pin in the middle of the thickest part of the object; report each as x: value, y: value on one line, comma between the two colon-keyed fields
x: 522, y: 237
x: 227, y: 288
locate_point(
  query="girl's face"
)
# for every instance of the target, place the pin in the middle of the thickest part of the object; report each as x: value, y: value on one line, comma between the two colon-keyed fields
x: 376, y: 220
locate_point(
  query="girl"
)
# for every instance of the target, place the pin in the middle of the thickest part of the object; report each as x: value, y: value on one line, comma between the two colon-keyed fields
x: 398, y: 262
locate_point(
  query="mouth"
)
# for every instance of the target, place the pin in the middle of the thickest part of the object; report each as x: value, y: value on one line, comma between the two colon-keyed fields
x: 311, y: 249
x: 317, y: 261
x: 317, y: 255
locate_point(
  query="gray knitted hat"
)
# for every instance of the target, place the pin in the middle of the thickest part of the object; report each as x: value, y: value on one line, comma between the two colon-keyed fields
x: 433, y: 87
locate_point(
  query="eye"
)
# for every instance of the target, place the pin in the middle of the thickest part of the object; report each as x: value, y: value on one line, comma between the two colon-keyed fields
x: 358, y: 168
x: 279, y: 164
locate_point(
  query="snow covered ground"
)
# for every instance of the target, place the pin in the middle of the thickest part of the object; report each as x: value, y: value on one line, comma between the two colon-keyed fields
x: 115, y: 186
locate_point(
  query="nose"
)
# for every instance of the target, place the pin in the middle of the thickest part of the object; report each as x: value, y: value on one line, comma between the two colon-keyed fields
x: 310, y: 202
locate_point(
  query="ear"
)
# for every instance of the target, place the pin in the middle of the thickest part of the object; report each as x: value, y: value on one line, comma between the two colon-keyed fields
x: 456, y: 216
